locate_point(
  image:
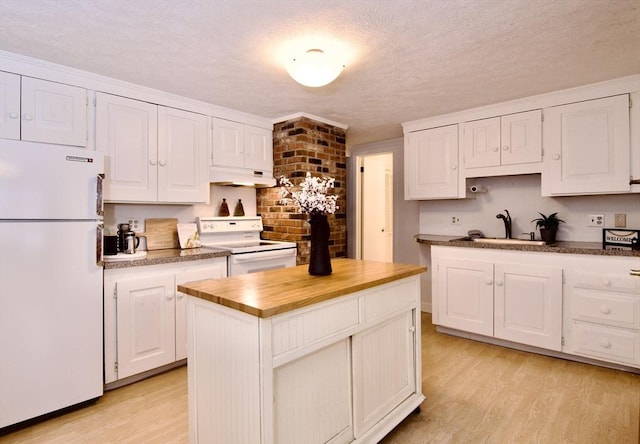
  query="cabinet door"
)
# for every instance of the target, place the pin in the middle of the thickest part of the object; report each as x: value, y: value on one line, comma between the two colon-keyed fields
x: 521, y: 138
x: 312, y: 398
x: 193, y: 273
x: 481, y: 143
x: 258, y: 148
x: 53, y: 113
x: 431, y: 163
x: 127, y: 131
x: 146, y: 324
x: 528, y: 305
x: 9, y: 106
x: 464, y: 290
x: 228, y: 143
x: 383, y: 370
x: 183, y: 147
x: 587, y: 147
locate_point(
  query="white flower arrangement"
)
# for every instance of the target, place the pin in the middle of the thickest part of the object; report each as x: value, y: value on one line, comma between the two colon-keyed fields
x: 313, y: 197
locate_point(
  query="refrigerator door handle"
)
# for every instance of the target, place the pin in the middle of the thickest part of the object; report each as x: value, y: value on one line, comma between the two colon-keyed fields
x: 99, y: 237
x: 99, y: 200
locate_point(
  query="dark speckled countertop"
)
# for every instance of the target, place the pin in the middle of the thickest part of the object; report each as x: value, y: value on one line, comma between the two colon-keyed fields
x: 591, y: 248
x: 168, y: 256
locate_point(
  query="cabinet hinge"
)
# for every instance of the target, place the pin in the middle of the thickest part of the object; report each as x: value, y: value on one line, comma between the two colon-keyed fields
x: 562, y: 341
x: 542, y: 117
x: 362, y: 169
x: 115, y: 368
x: 630, y: 103
x: 564, y: 279
x: 115, y: 292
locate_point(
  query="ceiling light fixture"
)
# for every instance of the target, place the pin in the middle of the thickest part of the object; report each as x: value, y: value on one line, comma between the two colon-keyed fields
x: 314, y: 68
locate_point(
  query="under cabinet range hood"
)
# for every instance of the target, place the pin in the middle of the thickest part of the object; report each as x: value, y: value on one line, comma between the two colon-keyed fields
x: 241, y: 177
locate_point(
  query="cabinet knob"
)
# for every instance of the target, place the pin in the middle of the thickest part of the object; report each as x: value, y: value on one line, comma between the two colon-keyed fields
x: 153, y: 162
x: 495, y: 149
x: 13, y: 115
x: 505, y: 147
x: 454, y: 167
x: 412, y: 329
x: 162, y: 163
x: 605, y: 309
x: 604, y: 342
x: 489, y: 282
x: 556, y: 156
x: 606, y: 282
x: 499, y: 283
x: 28, y: 117
x: 180, y: 295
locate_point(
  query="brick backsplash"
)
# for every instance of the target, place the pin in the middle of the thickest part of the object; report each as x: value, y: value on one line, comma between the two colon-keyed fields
x: 304, y: 145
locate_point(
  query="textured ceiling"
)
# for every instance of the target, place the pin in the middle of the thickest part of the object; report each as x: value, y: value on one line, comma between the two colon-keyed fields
x: 406, y: 60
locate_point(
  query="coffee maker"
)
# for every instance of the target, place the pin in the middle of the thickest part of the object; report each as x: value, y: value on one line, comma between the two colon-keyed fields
x: 127, y: 239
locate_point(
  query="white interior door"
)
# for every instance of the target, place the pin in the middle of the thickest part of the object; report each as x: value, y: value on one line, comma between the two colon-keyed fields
x: 377, y: 207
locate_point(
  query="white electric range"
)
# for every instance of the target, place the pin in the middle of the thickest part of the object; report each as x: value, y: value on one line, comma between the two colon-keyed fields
x: 241, y: 236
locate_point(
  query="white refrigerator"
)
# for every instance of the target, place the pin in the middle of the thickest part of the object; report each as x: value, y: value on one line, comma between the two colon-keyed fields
x: 51, y: 332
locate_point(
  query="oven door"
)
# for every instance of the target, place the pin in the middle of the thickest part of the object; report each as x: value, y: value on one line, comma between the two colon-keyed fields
x: 246, y: 263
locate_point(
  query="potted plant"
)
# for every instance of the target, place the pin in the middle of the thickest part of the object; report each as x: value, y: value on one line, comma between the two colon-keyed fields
x: 548, y: 226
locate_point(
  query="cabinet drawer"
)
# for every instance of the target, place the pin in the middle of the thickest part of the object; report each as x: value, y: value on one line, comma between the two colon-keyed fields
x: 389, y: 299
x: 610, y: 344
x: 606, y: 307
x: 296, y: 330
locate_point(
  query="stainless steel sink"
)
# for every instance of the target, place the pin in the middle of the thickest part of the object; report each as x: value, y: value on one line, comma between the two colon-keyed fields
x: 488, y: 240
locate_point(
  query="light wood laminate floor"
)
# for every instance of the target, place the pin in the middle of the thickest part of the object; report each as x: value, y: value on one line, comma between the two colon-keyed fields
x: 476, y: 393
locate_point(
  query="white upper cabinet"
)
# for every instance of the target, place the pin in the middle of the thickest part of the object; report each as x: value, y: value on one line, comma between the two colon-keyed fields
x: 241, y: 146
x: 154, y: 154
x: 431, y: 163
x: 9, y: 106
x: 183, y: 146
x: 587, y: 149
x: 41, y: 111
x: 127, y: 131
x: 506, y: 140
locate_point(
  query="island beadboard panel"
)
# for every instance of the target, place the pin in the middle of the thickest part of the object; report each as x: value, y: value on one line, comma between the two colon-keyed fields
x: 266, y: 294
x: 304, y: 145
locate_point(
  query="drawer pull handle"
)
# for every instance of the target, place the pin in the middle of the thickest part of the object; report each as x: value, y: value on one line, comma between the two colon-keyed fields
x: 605, y: 343
x: 605, y: 310
x: 633, y: 272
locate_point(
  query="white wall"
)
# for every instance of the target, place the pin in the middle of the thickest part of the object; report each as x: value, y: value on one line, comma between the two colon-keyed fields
x: 118, y: 213
x: 521, y: 196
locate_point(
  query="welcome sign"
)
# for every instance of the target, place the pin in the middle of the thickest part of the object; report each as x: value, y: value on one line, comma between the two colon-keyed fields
x: 616, y: 239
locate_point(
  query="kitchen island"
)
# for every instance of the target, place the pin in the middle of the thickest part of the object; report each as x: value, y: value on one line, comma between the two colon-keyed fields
x: 285, y: 357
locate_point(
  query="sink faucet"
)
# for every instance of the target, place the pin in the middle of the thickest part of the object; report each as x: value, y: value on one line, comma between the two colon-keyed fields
x: 507, y: 223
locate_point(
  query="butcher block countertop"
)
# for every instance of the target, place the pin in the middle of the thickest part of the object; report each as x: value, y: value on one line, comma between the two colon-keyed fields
x: 273, y: 292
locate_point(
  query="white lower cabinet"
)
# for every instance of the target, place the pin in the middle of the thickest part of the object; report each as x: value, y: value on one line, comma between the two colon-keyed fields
x: 145, y: 316
x: 602, y: 304
x: 340, y: 371
x: 580, y: 305
x: 497, y: 294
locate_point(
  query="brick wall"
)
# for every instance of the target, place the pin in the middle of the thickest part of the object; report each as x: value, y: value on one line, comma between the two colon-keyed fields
x: 304, y: 145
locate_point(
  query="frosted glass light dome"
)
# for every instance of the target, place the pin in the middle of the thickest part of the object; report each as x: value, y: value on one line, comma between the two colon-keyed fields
x: 314, y: 68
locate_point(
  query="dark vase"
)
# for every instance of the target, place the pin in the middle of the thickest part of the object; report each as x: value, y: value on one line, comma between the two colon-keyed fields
x: 547, y: 235
x: 319, y: 259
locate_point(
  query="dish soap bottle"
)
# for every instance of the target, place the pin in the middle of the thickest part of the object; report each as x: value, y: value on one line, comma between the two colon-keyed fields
x: 224, y: 208
x: 239, y: 211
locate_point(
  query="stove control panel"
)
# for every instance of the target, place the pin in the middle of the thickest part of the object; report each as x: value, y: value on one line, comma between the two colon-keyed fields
x: 229, y: 224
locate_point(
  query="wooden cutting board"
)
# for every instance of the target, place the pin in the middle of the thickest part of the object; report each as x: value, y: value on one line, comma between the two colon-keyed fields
x: 161, y: 233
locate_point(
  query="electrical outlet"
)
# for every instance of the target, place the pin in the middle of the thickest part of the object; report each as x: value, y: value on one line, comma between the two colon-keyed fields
x: 134, y: 224
x: 621, y: 220
x: 455, y: 220
x: 596, y: 220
